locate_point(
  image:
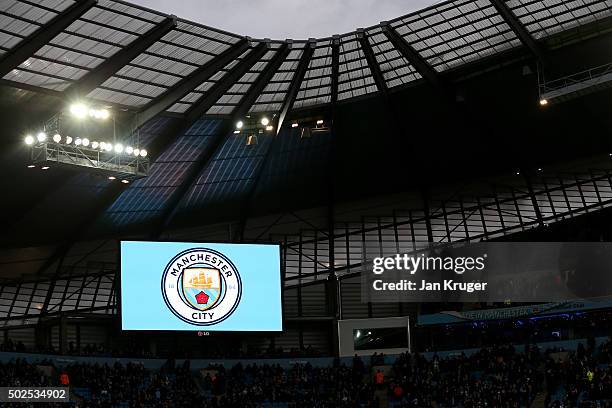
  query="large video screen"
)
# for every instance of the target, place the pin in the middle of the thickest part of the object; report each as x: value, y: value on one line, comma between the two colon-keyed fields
x: 203, y: 287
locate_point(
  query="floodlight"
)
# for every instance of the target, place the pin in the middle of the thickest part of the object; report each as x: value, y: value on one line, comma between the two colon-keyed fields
x: 108, y: 147
x: 45, y: 168
x: 29, y: 140
x: 136, y: 152
x: 125, y: 181
x: 41, y: 137
x: 320, y: 122
x: 85, y: 142
x: 104, y: 114
x: 112, y: 177
x: 239, y: 124
x: 236, y: 132
x: 57, y: 138
x: 129, y: 150
x: 31, y: 166
x: 118, y: 148
x: 95, y: 145
x: 78, y: 110
x: 294, y: 125
x: 143, y: 153
x: 269, y: 128
x: 68, y: 140
x: 78, y: 141
x: 543, y: 102
x: 265, y: 121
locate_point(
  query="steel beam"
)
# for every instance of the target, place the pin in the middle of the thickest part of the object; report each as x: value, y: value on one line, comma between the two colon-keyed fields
x: 109, y: 67
x: 377, y: 74
x: 519, y: 29
x: 189, y: 83
x: 335, y: 70
x: 35, y: 41
x: 195, y: 113
x: 296, y: 81
x: 415, y: 59
x: 290, y: 96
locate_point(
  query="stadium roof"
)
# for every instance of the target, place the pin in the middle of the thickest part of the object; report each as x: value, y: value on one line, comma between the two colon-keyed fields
x: 66, y: 45
x: 185, y: 84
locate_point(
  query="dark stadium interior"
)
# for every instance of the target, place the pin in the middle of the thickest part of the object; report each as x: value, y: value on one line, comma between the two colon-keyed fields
x: 434, y: 128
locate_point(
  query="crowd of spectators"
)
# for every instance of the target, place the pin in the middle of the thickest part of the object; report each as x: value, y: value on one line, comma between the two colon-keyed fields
x: 495, y: 377
x: 581, y: 379
x: 500, y: 377
x: 300, y: 386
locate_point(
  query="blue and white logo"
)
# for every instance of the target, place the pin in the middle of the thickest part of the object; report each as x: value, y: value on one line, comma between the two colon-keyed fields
x: 201, y: 286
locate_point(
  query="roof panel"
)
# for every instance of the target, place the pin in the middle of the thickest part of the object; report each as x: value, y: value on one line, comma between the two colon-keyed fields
x: 395, y: 68
x: 35, y: 79
x: 354, y: 75
x: 146, y: 198
x: 230, y: 173
x: 456, y: 33
x: 543, y: 19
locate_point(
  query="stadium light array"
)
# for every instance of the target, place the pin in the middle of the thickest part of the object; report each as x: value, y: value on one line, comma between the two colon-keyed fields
x: 81, y: 111
x: 118, y: 148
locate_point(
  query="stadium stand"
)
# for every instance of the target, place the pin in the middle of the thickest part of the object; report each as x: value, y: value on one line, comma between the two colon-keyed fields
x: 465, y: 122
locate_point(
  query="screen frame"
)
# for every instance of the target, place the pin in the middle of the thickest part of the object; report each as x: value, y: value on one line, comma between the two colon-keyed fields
x: 267, y: 333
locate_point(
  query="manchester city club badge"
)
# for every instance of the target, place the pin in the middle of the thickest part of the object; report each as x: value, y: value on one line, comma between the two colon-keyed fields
x: 201, y: 286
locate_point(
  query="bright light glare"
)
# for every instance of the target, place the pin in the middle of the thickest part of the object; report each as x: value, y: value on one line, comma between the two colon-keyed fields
x: 95, y: 145
x: 543, y: 102
x: 129, y: 150
x: 108, y: 147
x: 265, y: 121
x: 29, y: 140
x: 294, y: 125
x: 143, y: 153
x: 320, y: 122
x: 78, y: 110
x: 239, y: 124
x: 78, y: 141
x: 57, y: 138
x: 41, y: 137
x: 269, y: 128
x: 104, y: 114
x: 118, y: 148
x: 137, y: 152
x: 124, y: 181
x: 85, y: 142
x: 68, y: 140
x: 112, y: 177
